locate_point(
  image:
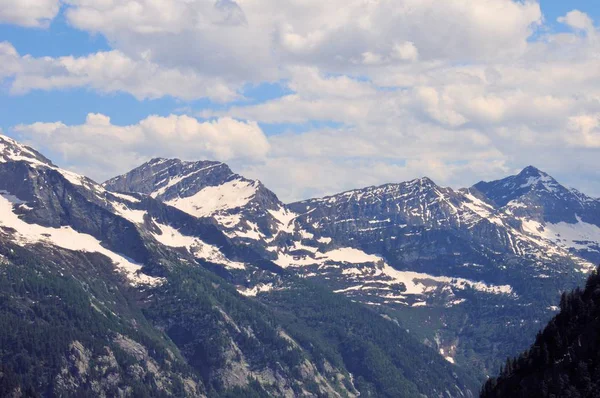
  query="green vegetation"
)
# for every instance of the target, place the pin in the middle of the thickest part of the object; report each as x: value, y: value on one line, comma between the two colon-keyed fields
x: 383, y: 357
x: 564, y: 361
x: 43, y: 311
x: 302, y: 339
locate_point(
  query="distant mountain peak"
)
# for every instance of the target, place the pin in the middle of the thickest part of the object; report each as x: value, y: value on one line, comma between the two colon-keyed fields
x: 11, y: 150
x: 530, y: 181
x: 535, y: 195
x: 201, y: 188
x: 424, y: 182
x: 531, y: 170
x: 420, y: 181
x: 165, y: 177
x: 164, y: 163
x: 533, y: 177
x: 160, y: 160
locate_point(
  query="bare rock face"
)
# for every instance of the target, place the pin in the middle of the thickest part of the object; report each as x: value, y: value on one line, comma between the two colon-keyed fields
x: 422, y: 227
x: 104, y: 374
x: 80, y: 368
x: 75, y: 371
x: 170, y: 178
x: 144, y: 363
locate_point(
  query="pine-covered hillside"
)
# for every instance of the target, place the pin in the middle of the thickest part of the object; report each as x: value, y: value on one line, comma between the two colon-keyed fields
x: 564, y: 361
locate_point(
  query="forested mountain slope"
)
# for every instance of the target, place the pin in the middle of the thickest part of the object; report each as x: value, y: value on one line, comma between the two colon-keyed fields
x: 564, y: 361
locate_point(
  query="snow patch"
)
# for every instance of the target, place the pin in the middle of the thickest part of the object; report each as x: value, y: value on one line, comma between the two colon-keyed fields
x: 175, y: 180
x: 73, y: 178
x: 128, y: 198
x: 210, y: 200
x: 415, y: 283
x: 228, y: 220
x: 171, y: 237
x: 579, y: 235
x: 306, y: 235
x: 351, y: 255
x: 341, y: 255
x: 419, y: 283
x: 135, y: 216
x: 11, y: 150
x: 68, y: 238
x: 260, y: 288
x: 251, y: 233
x: 546, y: 181
x: 285, y: 219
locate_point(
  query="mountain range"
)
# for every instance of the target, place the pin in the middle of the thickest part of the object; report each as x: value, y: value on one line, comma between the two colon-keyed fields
x: 186, y: 279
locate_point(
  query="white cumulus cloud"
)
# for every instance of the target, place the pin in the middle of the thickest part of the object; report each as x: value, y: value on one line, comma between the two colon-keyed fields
x: 374, y: 91
x: 107, y: 72
x: 29, y: 13
x: 101, y: 149
x: 251, y: 40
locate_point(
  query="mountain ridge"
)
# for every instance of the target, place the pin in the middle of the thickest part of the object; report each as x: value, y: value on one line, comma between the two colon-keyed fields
x: 417, y: 245
x: 452, y: 266
x: 170, y: 304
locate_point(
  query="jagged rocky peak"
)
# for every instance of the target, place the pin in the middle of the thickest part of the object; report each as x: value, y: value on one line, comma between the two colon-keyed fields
x: 166, y: 179
x: 411, y: 198
x: 25, y: 173
x: 534, y: 195
x: 200, y: 188
x: 425, y: 182
x: 535, y: 179
x: 11, y: 150
x: 20, y: 160
x: 389, y: 209
x: 530, y: 181
x: 390, y: 192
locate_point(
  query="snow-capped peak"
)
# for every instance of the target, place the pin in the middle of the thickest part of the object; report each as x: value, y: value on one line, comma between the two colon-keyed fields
x: 201, y: 188
x: 536, y: 179
x: 423, y: 181
x: 11, y: 150
x: 530, y: 182
x: 212, y: 199
x: 532, y: 171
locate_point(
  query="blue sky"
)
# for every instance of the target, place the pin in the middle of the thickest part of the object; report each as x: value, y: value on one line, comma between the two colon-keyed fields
x: 320, y: 99
x: 72, y: 106
x: 553, y: 9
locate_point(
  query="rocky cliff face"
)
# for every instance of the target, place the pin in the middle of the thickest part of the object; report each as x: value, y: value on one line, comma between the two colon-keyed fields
x: 419, y: 226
